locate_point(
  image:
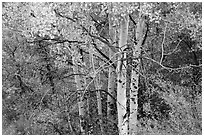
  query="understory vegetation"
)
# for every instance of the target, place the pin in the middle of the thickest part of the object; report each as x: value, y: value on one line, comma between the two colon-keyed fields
x: 101, y: 68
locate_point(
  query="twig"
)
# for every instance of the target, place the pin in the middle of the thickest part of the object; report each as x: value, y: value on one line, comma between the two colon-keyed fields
x: 162, y: 45
x: 174, y: 48
x: 73, y: 75
x: 43, y: 97
x: 169, y: 68
x: 132, y: 20
x: 101, y: 53
x: 56, y: 40
x: 103, y: 40
x: 97, y: 71
x: 138, y: 72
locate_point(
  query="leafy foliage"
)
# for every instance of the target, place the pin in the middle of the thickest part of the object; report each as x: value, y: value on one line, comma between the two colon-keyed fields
x: 41, y: 42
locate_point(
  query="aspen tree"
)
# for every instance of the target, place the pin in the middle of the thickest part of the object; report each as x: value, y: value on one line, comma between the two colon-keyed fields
x: 135, y: 74
x: 79, y: 87
x: 121, y: 78
x: 111, y: 110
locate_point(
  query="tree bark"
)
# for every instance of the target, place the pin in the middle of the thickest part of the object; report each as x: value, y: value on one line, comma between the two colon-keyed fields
x: 99, y: 104
x: 79, y: 87
x: 121, y: 79
x: 111, y: 104
x: 135, y: 75
x: 98, y: 94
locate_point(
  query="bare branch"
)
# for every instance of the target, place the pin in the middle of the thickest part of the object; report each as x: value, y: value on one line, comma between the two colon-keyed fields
x: 101, y: 53
x: 132, y: 20
x: 174, y: 48
x: 103, y: 40
x: 100, y: 69
x: 162, y: 45
x: 138, y: 71
x: 172, y: 69
x: 73, y: 75
x: 56, y: 41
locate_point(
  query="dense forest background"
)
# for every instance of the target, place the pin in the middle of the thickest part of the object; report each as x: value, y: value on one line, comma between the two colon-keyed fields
x: 101, y: 68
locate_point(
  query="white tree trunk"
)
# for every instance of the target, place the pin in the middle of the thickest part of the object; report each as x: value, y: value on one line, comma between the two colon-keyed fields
x: 99, y: 104
x: 135, y: 76
x: 121, y: 79
x: 111, y: 109
x: 79, y: 87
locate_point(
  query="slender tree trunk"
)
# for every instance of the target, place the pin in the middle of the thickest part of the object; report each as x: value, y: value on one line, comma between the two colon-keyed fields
x: 88, y: 102
x: 121, y: 79
x: 111, y: 104
x: 135, y: 76
x: 70, y: 124
x: 98, y: 94
x: 99, y: 104
x: 79, y: 87
x: 128, y: 83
